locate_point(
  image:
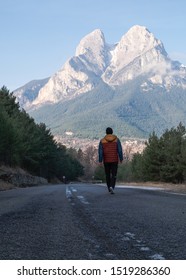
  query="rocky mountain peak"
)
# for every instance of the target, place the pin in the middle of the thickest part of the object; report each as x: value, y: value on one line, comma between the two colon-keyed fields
x: 139, y: 40
x: 93, y: 50
x: 137, y: 50
x: 92, y: 42
x: 80, y: 73
x: 137, y: 53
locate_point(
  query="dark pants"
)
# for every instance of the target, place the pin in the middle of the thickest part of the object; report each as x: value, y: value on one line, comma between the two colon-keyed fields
x: 111, y: 172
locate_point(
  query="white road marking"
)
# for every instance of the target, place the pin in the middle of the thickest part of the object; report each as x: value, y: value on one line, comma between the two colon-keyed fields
x: 71, y: 195
x: 144, y: 249
x: 68, y: 193
x: 157, y: 257
x: 140, y: 244
x: 82, y: 199
x: 130, y: 235
x: 109, y: 255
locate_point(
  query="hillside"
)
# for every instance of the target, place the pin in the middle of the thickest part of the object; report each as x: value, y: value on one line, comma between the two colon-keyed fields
x: 131, y: 111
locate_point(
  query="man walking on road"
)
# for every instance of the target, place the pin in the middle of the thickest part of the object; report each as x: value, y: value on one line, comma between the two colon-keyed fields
x: 110, y: 153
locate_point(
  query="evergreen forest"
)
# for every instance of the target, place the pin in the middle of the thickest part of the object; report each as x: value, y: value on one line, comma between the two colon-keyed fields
x: 31, y: 146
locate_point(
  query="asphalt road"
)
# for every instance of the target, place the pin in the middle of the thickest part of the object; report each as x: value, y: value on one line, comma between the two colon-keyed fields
x: 84, y: 221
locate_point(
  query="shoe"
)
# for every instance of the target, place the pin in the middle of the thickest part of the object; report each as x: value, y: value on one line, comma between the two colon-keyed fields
x: 111, y: 190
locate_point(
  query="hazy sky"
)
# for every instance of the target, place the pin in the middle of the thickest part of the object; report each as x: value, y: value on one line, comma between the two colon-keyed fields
x: 38, y: 36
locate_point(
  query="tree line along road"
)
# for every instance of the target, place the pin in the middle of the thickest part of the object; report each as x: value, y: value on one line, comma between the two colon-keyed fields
x: 84, y: 221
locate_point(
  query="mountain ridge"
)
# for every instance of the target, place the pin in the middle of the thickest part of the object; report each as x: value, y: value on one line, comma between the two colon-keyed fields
x: 116, y: 82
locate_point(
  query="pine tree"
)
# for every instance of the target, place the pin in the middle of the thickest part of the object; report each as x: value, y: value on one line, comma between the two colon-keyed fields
x: 152, y: 159
x: 172, y: 154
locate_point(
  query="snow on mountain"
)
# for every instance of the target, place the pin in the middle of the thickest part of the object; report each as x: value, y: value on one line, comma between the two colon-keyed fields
x: 137, y: 53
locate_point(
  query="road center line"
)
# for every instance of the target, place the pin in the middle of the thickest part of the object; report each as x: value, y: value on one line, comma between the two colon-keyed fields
x: 130, y: 237
x: 69, y: 196
x: 82, y: 199
x: 68, y: 193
